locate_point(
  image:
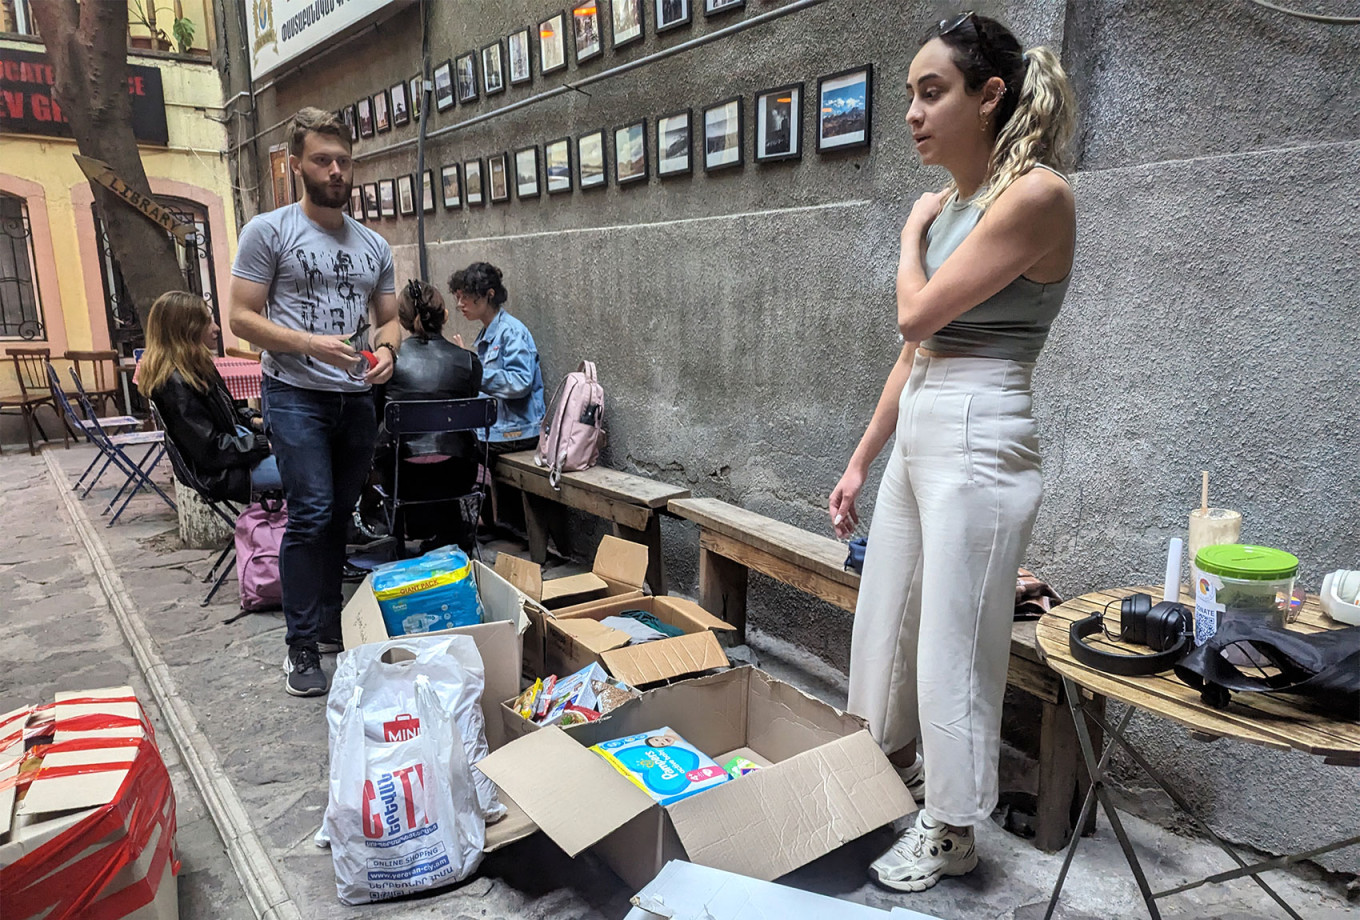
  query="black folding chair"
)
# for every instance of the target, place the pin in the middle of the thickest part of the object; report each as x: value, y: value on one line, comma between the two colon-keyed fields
x: 79, y: 426
x: 407, y: 419
x: 138, y: 472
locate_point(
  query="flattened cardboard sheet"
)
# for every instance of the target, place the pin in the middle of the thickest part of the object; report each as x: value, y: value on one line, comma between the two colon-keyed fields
x: 651, y: 662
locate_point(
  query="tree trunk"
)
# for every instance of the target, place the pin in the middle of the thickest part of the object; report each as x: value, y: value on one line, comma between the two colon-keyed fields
x: 87, y: 45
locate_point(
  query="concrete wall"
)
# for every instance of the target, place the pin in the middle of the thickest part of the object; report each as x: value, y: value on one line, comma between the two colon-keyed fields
x: 744, y: 320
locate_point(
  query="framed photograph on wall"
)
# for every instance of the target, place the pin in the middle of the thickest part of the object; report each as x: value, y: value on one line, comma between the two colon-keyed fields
x: 496, y: 169
x: 627, y: 16
x: 845, y: 108
x: 427, y: 192
x: 526, y: 173
x: 387, y: 195
x: 552, y: 43
x: 451, y: 186
x: 714, y: 7
x: 406, y: 196
x: 517, y: 50
x: 779, y: 123
x: 557, y: 165
x: 465, y: 76
x: 356, y: 203
x: 401, y: 104
x: 590, y: 160
x: 365, y: 107
x: 630, y: 153
x: 371, y: 209
x: 382, y: 111
x: 493, y: 69
x: 417, y: 96
x: 671, y: 14
x: 674, y: 145
x: 351, y: 120
x: 443, y: 87
x: 722, y: 135
x: 586, y: 27
x: 472, y: 174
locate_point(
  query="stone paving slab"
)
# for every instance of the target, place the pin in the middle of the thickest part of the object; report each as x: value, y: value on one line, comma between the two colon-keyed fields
x: 273, y: 750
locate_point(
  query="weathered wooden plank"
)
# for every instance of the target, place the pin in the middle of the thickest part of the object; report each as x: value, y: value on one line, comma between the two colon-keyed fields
x: 629, y: 514
x: 780, y: 569
x: 614, y: 485
x: 722, y: 589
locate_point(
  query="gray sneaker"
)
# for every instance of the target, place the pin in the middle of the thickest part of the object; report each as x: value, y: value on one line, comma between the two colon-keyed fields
x: 914, y: 778
x: 305, y: 677
x: 923, y: 855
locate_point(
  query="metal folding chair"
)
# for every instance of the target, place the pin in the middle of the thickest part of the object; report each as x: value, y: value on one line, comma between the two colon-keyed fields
x: 406, y: 419
x: 79, y: 426
x: 138, y: 472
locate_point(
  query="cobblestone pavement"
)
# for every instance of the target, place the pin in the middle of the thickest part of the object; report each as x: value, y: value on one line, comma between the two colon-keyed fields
x: 58, y: 632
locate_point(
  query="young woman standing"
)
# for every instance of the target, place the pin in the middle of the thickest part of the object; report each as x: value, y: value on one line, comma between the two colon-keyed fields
x: 983, y: 271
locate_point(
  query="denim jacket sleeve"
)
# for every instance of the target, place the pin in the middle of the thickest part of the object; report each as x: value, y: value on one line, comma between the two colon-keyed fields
x: 510, y: 375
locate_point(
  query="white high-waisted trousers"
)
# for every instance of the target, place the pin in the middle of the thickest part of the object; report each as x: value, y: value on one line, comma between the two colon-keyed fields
x: 932, y: 633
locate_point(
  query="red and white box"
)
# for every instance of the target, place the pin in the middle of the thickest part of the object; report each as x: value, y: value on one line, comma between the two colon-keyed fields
x: 87, y: 812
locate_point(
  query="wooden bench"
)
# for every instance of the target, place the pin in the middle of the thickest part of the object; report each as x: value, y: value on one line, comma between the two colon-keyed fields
x: 734, y: 542
x: 633, y: 503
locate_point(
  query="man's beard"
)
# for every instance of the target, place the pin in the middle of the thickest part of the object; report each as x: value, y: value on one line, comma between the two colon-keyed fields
x: 323, y: 196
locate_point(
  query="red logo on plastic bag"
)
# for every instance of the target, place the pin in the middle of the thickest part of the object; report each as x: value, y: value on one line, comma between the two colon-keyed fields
x: 396, y: 796
x: 403, y: 728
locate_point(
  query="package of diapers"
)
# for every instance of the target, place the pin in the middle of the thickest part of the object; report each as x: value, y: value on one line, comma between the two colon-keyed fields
x: 429, y: 593
x: 662, y: 764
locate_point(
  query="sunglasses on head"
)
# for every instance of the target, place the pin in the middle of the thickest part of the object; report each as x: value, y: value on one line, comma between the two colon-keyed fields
x: 958, y: 22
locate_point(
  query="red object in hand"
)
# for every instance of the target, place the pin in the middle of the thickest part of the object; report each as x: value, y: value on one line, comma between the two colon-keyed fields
x: 371, y: 358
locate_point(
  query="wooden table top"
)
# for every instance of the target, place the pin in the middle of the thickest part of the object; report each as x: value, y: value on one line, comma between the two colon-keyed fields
x: 1256, y: 717
x: 612, y: 484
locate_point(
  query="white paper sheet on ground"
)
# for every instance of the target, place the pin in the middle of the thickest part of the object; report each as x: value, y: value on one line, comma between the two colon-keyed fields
x: 684, y: 891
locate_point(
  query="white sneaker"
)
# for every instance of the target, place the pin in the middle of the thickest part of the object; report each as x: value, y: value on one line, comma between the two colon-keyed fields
x: 914, y: 778
x: 923, y: 855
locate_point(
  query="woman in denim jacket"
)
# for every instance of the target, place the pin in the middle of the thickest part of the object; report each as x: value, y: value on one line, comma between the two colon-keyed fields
x: 510, y: 367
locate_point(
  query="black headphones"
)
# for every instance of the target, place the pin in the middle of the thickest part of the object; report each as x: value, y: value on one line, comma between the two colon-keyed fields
x: 1166, y: 627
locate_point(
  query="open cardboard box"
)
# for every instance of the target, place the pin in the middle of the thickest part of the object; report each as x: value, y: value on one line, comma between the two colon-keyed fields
x: 574, y: 638
x: 826, y: 781
x: 619, y: 571
x: 107, y: 728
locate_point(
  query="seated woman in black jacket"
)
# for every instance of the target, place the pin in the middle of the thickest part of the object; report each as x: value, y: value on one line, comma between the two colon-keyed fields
x: 221, y: 444
x: 433, y: 465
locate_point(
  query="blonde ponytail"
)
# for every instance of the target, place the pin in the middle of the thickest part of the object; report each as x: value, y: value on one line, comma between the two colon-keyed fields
x: 1039, y: 130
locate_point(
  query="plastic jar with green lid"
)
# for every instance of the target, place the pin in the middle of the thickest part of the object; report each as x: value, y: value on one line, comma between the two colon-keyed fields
x: 1238, y: 578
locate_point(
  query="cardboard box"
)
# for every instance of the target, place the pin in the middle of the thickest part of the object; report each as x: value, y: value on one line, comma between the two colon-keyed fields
x: 619, y: 571
x: 574, y: 638
x: 103, y: 789
x: 828, y: 782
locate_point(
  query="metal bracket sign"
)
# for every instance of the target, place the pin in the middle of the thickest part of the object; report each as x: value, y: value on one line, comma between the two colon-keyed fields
x: 101, y: 172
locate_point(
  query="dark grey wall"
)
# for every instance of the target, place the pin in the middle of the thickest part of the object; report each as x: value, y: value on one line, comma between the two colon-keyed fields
x: 744, y: 321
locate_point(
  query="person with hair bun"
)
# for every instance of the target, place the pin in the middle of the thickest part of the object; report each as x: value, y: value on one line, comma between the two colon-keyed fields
x: 510, y: 366
x: 983, y: 270
x: 436, y: 466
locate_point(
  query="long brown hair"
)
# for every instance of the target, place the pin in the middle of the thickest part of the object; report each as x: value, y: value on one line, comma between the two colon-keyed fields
x: 174, y: 342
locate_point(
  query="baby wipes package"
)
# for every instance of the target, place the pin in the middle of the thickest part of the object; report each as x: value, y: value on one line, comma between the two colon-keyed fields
x: 429, y: 593
x: 662, y: 764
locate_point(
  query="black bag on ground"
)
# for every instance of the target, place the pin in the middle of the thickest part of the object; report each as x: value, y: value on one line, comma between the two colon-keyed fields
x: 1323, y: 668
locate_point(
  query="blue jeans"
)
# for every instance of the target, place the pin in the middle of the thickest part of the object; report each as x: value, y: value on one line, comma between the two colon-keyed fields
x: 323, y: 442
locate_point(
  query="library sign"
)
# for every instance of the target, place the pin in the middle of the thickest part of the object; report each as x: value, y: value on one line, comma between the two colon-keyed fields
x: 27, y: 106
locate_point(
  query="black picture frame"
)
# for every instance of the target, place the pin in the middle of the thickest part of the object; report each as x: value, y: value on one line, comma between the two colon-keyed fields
x: 838, y: 83
x: 387, y: 197
x: 587, y: 147
x: 557, y: 183
x: 775, y: 143
x: 356, y: 202
x: 406, y: 195
x: 427, y: 189
x: 417, y: 84
x: 672, y: 14
x: 450, y: 177
x: 638, y: 21
x: 465, y: 77
x: 587, y: 36
x: 365, y: 110
x: 713, y: 163
x: 401, y: 103
x: 372, y: 208
x: 382, y: 112
x: 552, y: 52
x: 474, y: 183
x: 667, y: 146
x: 446, y: 97
x: 351, y: 118
x: 493, y: 68
x: 637, y: 133
x: 719, y: 7
x: 517, y: 51
x: 493, y: 161
x: 523, y: 189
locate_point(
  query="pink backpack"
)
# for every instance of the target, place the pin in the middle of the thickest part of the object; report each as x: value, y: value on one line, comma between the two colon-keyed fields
x: 573, y: 429
x: 259, y: 531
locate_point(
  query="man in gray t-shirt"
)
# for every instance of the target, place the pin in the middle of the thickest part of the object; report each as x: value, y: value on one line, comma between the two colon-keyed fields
x: 307, y: 280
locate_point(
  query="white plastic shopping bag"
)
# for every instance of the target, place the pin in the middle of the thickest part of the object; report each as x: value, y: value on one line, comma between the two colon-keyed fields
x: 403, y: 815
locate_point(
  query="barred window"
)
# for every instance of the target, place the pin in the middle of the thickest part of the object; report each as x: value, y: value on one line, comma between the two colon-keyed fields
x: 21, y: 314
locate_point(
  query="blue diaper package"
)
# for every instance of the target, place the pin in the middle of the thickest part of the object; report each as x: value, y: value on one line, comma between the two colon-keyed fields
x: 662, y: 764
x: 432, y: 592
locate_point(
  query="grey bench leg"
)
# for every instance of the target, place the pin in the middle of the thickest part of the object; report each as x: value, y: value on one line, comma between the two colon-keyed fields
x: 535, y: 527
x: 650, y: 538
x: 1063, y: 780
x: 722, y: 590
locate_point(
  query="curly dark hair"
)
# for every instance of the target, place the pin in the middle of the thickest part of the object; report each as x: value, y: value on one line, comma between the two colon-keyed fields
x: 480, y: 279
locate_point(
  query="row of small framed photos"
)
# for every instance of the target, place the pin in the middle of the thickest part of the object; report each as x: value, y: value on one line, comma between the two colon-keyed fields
x: 842, y: 122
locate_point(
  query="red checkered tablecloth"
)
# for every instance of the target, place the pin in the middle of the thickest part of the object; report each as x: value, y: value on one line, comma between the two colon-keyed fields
x: 241, y: 375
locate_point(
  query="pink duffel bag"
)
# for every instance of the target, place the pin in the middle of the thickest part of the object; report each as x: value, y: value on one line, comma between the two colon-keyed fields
x: 259, y: 532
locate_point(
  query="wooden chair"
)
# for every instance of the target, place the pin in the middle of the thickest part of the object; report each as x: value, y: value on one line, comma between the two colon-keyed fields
x: 242, y: 353
x: 30, y: 371
x: 101, y: 383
